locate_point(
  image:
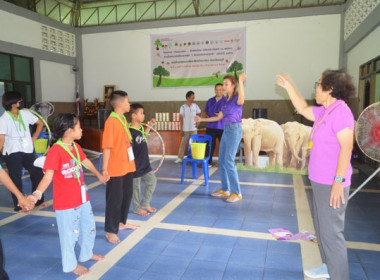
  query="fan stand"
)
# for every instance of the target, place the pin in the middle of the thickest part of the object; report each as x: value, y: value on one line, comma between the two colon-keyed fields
x: 365, y: 182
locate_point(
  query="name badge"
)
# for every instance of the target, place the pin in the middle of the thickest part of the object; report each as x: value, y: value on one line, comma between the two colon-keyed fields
x: 130, y: 153
x: 83, y: 192
x: 23, y: 142
x: 310, y: 144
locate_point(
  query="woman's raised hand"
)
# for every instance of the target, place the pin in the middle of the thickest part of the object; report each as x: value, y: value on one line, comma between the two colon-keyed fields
x: 242, y: 77
x: 283, y: 80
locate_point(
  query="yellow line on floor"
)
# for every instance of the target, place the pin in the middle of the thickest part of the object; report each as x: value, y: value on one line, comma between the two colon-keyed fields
x: 8, y: 210
x: 17, y: 216
x: 152, y: 160
x: 101, y: 219
x: 218, y: 182
x: 266, y: 185
x: 12, y: 218
x: 218, y: 231
x: 50, y: 214
x: 363, y: 246
x: 309, y: 252
x: 353, y: 189
x: 100, y: 268
x: 260, y: 235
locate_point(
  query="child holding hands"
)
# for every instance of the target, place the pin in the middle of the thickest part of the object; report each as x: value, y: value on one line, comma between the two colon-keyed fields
x: 119, y: 164
x: 75, y: 220
x: 22, y: 202
x: 144, y: 171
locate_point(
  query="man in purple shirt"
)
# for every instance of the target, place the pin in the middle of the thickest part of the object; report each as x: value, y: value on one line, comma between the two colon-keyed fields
x: 213, y: 106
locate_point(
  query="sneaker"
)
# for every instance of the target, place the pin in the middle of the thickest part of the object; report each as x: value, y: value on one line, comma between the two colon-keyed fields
x: 234, y: 197
x: 221, y: 193
x: 318, y: 272
x: 178, y: 160
x: 209, y: 165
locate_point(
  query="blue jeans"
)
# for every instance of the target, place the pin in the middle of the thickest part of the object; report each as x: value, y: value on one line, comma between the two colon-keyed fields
x: 76, y: 224
x: 227, y: 152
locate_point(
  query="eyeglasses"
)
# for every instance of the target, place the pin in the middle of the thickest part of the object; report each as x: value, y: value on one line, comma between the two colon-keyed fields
x: 316, y: 84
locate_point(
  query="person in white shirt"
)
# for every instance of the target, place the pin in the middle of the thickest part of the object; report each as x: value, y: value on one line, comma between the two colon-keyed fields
x: 187, y: 112
x: 16, y: 142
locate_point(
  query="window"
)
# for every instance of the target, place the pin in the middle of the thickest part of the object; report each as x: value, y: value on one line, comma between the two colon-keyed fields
x: 369, y: 81
x: 1, y: 94
x: 16, y: 73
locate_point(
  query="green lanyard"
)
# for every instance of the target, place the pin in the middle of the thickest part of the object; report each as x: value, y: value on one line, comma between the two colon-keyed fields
x: 124, y: 123
x: 19, y: 120
x: 76, y: 159
x: 141, y: 130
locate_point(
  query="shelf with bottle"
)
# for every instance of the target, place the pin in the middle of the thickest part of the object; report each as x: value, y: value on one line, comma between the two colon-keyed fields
x: 165, y: 117
x: 163, y: 121
x: 167, y: 126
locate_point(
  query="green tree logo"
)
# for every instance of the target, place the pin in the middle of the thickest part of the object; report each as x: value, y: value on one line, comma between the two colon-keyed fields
x: 158, y: 44
x: 216, y: 74
x: 160, y: 71
x: 235, y: 66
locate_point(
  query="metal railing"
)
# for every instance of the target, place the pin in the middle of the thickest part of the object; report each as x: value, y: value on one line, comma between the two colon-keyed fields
x: 94, y: 13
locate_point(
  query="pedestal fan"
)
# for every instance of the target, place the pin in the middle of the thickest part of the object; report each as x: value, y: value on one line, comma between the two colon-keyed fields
x: 45, y: 109
x: 367, y: 134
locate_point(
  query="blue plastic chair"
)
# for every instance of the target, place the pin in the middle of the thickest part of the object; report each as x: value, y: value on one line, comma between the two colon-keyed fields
x: 42, y: 135
x: 198, y: 138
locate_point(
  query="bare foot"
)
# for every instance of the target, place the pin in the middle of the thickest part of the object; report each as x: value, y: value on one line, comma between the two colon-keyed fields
x: 127, y: 226
x: 141, y: 212
x: 112, y: 238
x: 97, y: 257
x: 23, y: 211
x: 150, y: 209
x: 80, y: 270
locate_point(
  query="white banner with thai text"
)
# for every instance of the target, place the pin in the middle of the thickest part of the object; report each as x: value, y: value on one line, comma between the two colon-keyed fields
x: 198, y: 58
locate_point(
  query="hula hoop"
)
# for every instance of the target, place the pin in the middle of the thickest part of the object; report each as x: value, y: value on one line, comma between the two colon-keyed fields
x: 163, y: 147
x: 46, y: 125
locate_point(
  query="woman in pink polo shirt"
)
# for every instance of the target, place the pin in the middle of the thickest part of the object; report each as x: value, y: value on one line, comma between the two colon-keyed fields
x: 329, y: 167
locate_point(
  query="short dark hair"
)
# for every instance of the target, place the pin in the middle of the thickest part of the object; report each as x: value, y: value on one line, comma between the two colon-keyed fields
x: 116, y: 96
x: 189, y: 93
x: 218, y: 84
x: 63, y: 122
x: 339, y: 82
x: 9, y: 98
x: 134, y: 108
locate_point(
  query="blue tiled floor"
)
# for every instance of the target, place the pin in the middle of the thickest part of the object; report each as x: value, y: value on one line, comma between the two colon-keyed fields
x: 172, y: 250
